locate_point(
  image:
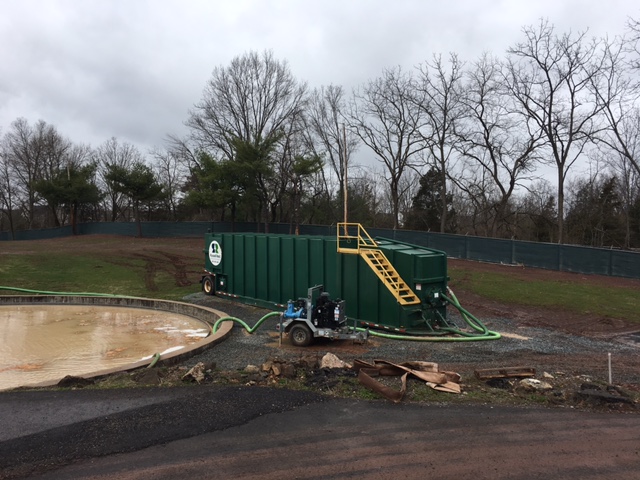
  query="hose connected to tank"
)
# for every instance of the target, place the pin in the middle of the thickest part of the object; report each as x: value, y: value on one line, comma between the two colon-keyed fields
x: 440, y: 335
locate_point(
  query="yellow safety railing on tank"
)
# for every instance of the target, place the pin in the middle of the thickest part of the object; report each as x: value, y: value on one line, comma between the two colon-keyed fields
x: 352, y: 237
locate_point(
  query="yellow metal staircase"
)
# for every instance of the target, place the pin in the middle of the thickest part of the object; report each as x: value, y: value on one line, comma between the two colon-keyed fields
x: 354, y: 239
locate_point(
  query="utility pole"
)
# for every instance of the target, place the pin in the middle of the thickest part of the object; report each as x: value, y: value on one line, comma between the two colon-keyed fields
x: 344, y: 160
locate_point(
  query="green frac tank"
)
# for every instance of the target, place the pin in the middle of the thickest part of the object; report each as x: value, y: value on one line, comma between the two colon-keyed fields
x: 269, y: 270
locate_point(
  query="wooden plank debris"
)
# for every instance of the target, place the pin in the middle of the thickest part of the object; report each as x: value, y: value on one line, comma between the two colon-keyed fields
x: 505, y: 372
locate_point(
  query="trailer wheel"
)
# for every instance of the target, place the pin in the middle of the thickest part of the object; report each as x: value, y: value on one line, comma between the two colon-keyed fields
x: 300, y: 335
x: 207, y: 285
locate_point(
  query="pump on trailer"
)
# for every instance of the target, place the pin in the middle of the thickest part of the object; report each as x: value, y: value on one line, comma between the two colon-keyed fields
x: 318, y: 316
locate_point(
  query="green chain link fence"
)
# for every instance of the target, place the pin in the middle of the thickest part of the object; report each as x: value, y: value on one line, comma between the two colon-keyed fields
x: 550, y: 256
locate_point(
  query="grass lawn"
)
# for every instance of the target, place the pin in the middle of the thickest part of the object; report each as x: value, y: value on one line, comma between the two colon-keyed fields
x: 584, y: 297
x: 157, y: 268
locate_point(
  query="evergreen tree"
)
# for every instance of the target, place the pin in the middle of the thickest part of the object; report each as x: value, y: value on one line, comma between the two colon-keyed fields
x: 138, y: 183
x: 70, y: 187
x: 426, y: 209
x: 594, y: 215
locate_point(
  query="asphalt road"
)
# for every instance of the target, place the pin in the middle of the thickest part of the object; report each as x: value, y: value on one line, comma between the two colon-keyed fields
x: 251, y: 432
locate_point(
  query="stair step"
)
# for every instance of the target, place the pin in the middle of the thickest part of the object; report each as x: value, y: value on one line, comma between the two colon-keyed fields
x: 385, y: 271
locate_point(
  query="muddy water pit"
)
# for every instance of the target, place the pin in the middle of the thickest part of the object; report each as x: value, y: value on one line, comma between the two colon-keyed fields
x: 43, y: 343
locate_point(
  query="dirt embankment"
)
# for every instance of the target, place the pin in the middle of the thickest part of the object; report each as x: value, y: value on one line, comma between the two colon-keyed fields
x: 558, y: 319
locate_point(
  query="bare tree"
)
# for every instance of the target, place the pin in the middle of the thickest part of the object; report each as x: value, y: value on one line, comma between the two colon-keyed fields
x: 24, y: 155
x: 8, y: 191
x: 170, y: 171
x: 250, y: 100
x: 617, y: 92
x: 497, y: 143
x: 107, y: 156
x: 291, y: 147
x: 440, y: 99
x: 409, y: 186
x: 369, y: 199
x: 536, y: 218
x: 184, y: 151
x: 56, y: 150
x: 78, y: 154
x: 633, y: 27
x: 329, y: 136
x: 256, y: 105
x: 316, y: 203
x: 551, y: 76
x: 387, y: 118
x: 33, y: 153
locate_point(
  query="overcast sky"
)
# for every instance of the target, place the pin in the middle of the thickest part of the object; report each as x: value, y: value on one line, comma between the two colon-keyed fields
x: 132, y: 69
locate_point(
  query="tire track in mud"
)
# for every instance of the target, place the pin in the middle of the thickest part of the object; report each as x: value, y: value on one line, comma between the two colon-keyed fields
x: 180, y: 267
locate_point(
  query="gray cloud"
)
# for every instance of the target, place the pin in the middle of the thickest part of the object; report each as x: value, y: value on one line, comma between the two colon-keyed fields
x: 133, y: 69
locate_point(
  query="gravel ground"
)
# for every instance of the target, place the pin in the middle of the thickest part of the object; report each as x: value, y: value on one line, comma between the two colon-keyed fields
x: 540, y: 348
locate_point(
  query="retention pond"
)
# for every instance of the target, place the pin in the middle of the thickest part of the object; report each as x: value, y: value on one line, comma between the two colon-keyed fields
x: 42, y: 343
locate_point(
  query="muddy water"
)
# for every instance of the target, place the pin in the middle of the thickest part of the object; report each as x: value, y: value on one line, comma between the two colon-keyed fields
x: 44, y: 343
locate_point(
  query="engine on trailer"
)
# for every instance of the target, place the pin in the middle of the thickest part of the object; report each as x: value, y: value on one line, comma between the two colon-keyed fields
x: 325, y: 313
x: 328, y: 313
x: 318, y: 316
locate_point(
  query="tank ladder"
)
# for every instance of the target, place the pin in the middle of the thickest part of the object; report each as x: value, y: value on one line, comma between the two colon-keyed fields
x: 354, y: 239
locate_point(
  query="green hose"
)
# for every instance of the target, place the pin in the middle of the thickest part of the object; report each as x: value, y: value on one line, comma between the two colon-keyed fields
x: 154, y: 360
x: 473, y: 322
x: 424, y: 338
x: 249, y: 329
x: 468, y: 317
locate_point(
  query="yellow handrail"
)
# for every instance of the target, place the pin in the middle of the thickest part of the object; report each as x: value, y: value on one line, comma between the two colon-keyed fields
x: 361, y: 238
x: 368, y: 249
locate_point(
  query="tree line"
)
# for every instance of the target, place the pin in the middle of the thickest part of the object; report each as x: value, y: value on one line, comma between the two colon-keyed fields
x: 539, y: 145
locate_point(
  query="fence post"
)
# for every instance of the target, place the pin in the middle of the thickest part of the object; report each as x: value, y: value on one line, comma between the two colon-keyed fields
x: 610, y: 272
x: 559, y: 258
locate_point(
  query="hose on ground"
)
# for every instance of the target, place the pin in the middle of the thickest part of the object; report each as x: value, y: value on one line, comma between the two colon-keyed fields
x: 425, y: 338
x: 154, y: 360
x: 472, y: 321
x: 249, y: 329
